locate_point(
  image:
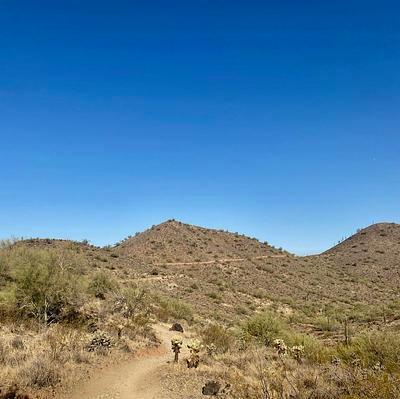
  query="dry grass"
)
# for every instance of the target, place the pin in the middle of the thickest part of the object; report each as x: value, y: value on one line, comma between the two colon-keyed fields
x: 240, y: 307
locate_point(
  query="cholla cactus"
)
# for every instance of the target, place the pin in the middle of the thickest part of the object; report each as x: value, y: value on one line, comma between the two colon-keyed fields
x: 280, y: 346
x: 211, y: 349
x: 194, y: 348
x: 297, y: 352
x: 99, y: 340
x: 176, y: 345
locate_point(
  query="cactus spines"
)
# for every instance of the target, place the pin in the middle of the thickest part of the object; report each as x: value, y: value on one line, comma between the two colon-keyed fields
x: 194, y: 347
x: 176, y: 345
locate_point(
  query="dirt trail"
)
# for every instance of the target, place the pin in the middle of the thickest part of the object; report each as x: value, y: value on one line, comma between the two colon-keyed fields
x: 137, y: 379
x: 209, y: 262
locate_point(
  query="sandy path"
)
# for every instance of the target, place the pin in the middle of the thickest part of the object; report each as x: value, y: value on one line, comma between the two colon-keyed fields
x: 137, y: 379
x: 209, y: 262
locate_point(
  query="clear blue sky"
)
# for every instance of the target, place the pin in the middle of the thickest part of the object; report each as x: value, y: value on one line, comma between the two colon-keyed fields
x: 278, y: 119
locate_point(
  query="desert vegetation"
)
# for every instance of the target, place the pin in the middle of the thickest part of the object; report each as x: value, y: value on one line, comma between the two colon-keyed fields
x: 262, y: 323
x: 264, y: 357
x: 58, y: 316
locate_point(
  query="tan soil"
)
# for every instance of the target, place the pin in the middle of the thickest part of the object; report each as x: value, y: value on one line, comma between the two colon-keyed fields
x: 139, y: 378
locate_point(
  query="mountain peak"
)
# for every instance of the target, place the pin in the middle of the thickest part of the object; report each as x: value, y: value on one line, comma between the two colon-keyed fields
x: 173, y: 241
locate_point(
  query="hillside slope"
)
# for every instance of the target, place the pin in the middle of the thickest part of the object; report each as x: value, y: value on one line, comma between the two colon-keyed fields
x: 173, y: 242
x: 372, y: 253
x: 380, y: 237
x: 197, y: 276
x: 226, y: 276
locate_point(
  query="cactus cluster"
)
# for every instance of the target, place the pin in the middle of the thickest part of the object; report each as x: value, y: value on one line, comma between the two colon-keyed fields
x: 297, y: 351
x: 194, y: 347
x: 280, y: 346
x: 99, y: 340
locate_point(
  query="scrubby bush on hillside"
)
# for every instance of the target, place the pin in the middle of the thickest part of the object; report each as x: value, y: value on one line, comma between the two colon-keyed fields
x: 46, y: 283
x: 219, y: 336
x: 376, y: 350
x: 131, y: 300
x: 263, y: 327
x: 3, y: 270
x: 101, y: 284
x: 167, y: 308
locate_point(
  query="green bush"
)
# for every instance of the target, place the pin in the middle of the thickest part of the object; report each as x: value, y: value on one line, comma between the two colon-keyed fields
x: 131, y: 300
x: 167, y: 308
x: 5, y: 260
x: 45, y: 283
x: 215, y: 334
x: 4, y: 275
x: 374, y: 349
x: 263, y: 327
x: 324, y: 323
x: 101, y: 284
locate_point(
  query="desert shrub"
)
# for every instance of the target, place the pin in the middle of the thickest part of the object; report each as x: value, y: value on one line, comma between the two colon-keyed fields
x: 45, y: 283
x: 131, y: 313
x: 314, y: 349
x: 326, y: 323
x: 263, y: 327
x: 167, y: 308
x: 266, y: 327
x: 374, y: 350
x: 40, y: 372
x: 3, y: 270
x: 131, y: 301
x: 373, y: 385
x: 3, y: 352
x: 5, y: 260
x: 101, y: 284
x: 219, y: 336
x: 8, y: 242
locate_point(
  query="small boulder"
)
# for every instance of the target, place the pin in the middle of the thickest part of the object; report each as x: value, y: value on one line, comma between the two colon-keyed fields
x: 177, y: 327
x: 211, y: 388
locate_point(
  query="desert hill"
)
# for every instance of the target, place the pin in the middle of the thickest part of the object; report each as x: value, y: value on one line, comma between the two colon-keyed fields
x: 176, y: 242
x: 223, y: 275
x: 208, y: 280
x: 226, y: 275
x: 380, y: 237
x: 373, y: 253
